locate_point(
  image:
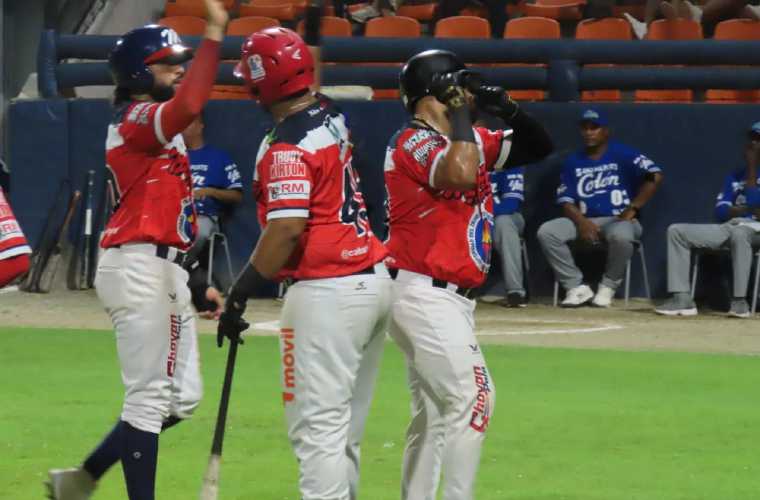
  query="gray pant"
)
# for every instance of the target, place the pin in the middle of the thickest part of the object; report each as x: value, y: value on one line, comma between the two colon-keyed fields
x: 506, y: 235
x: 683, y: 237
x: 555, y: 234
x: 206, y: 226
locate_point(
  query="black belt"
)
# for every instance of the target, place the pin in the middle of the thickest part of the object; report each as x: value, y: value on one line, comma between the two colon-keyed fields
x: 162, y: 252
x: 464, y: 292
x: 366, y: 270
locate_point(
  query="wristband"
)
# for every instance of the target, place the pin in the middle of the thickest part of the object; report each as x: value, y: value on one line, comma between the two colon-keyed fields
x: 461, y: 125
x: 248, y: 282
x: 311, y: 34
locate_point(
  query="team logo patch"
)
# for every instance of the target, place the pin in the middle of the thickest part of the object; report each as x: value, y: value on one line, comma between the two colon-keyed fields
x: 185, y: 227
x: 481, y: 412
x: 256, y: 68
x: 480, y: 238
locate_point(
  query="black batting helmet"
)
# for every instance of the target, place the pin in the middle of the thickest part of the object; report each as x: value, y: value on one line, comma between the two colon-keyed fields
x: 418, y: 72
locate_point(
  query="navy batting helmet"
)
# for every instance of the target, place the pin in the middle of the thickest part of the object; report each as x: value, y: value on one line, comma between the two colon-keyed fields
x: 417, y: 74
x: 141, y: 47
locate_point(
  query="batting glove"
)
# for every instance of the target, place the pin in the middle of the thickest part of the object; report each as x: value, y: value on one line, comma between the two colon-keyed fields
x: 231, y: 325
x: 496, y: 101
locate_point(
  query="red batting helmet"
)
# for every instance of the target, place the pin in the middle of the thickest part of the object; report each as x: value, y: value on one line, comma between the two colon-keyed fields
x: 275, y: 63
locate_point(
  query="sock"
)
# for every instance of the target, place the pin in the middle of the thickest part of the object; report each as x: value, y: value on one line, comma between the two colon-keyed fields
x: 682, y: 296
x: 139, y: 458
x: 170, y: 422
x: 106, y: 454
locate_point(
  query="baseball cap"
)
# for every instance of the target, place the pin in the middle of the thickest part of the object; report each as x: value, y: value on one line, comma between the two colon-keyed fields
x: 594, y: 116
x: 755, y: 128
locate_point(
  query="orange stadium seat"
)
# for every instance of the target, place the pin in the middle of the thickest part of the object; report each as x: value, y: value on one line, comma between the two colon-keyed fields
x: 191, y: 8
x: 670, y: 29
x: 244, y: 26
x: 184, y: 25
x: 278, y: 9
x: 536, y: 28
x: 462, y: 27
x: 422, y: 12
x: 735, y: 29
x: 393, y: 26
x: 611, y: 28
x: 562, y: 10
x: 331, y: 26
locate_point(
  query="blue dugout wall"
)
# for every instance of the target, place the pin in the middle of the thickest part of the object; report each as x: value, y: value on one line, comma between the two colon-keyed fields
x: 696, y: 144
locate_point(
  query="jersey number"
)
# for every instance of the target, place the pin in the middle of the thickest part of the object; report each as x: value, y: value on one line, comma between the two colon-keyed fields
x: 353, y: 211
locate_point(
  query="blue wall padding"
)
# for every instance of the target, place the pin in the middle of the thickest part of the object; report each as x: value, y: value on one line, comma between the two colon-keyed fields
x: 696, y: 145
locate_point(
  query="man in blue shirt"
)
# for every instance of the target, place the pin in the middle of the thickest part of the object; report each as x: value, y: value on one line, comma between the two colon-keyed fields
x: 216, y: 182
x: 508, y: 196
x: 602, y: 188
x: 738, y: 210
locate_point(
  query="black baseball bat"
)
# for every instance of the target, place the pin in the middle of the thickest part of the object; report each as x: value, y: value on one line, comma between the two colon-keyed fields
x: 84, y: 278
x: 210, y: 488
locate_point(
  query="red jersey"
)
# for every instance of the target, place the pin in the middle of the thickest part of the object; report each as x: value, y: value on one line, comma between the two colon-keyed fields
x: 152, y: 176
x: 303, y: 169
x: 436, y: 232
x: 12, y: 241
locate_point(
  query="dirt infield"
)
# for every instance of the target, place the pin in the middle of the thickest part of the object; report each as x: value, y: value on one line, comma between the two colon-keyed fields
x: 636, y: 328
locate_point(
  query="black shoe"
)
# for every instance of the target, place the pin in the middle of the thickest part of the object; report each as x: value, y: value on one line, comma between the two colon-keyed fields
x: 515, y: 299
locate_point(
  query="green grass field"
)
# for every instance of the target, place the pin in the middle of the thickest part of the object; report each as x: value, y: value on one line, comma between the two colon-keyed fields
x: 569, y: 424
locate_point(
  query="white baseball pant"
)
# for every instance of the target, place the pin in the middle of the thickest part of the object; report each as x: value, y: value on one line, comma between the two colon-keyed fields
x: 331, y: 342
x: 453, y: 396
x: 149, y: 304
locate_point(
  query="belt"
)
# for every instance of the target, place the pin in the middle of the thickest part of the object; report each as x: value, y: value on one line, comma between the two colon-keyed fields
x: 437, y: 283
x: 166, y: 252
x: 366, y: 270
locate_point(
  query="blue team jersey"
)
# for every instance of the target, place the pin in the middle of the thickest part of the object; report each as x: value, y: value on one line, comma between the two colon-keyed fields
x: 735, y: 194
x: 603, y: 187
x: 508, y: 190
x: 214, y: 168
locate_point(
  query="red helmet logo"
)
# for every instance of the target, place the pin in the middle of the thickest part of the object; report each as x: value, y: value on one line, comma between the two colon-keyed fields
x: 275, y: 64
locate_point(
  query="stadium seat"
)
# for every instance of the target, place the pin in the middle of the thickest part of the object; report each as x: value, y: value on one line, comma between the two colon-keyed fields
x: 422, y: 12
x: 670, y: 29
x: 244, y: 26
x: 393, y: 26
x: 535, y: 28
x: 735, y: 29
x: 191, y: 8
x: 462, y: 27
x: 278, y: 9
x: 561, y: 10
x: 602, y: 29
x: 331, y: 26
x: 184, y: 25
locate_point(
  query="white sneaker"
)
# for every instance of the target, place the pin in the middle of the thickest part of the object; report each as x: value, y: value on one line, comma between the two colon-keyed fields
x: 364, y: 14
x: 639, y: 27
x: 490, y: 299
x: 70, y: 484
x: 603, y: 297
x: 577, y: 296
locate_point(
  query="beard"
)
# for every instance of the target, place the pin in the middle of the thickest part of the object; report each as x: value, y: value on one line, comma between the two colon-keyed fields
x: 162, y: 93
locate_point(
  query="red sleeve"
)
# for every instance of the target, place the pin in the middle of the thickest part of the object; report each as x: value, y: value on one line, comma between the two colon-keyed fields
x: 195, y: 89
x: 496, y: 146
x: 283, y: 182
x: 419, y: 151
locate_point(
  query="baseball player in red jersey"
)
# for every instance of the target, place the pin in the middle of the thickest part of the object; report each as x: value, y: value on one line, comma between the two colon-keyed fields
x: 139, y: 279
x: 439, y: 240
x: 316, y: 232
x: 14, y: 250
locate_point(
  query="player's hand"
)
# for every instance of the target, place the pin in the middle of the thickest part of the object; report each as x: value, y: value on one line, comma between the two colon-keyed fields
x: 628, y: 214
x: 231, y: 325
x: 588, y: 231
x: 446, y: 88
x: 495, y: 100
x: 216, y: 14
x: 201, y: 193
